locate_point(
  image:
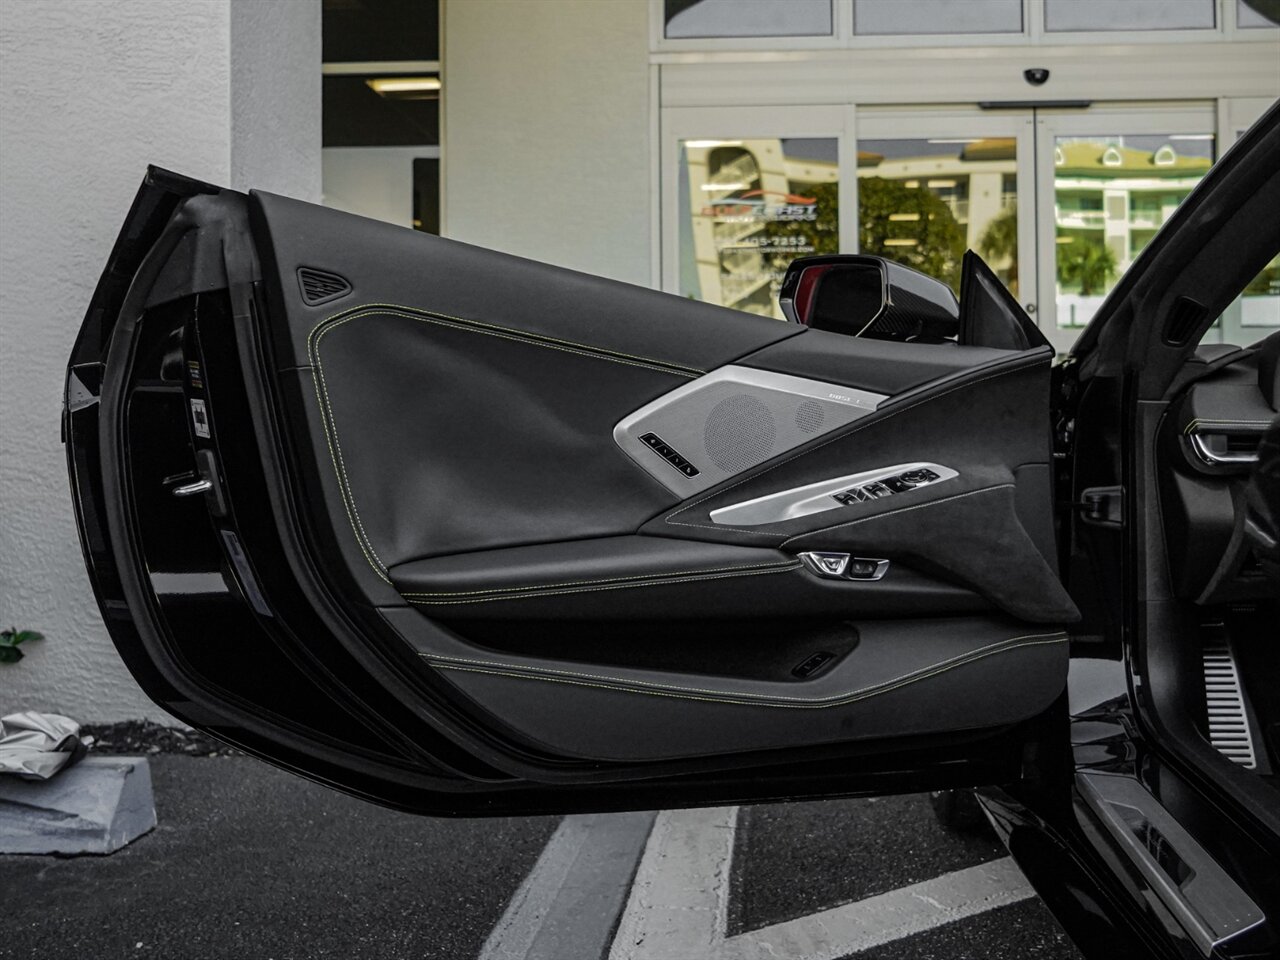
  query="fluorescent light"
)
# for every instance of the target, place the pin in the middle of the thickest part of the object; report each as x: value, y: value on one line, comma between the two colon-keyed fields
x: 902, y: 242
x: 1191, y: 136
x: 941, y: 184
x: 904, y: 216
x: 712, y: 187
x: 703, y: 144
x: 405, y: 88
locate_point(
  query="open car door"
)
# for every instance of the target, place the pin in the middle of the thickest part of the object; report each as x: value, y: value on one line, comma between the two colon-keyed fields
x: 465, y: 534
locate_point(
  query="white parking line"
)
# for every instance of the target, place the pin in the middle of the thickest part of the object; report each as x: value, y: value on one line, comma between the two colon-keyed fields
x: 567, y: 904
x: 679, y: 902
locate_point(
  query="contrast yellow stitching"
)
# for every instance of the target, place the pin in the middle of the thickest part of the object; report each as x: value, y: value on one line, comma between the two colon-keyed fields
x: 861, y: 424
x: 1225, y: 423
x: 479, y: 326
x: 740, y: 697
x: 635, y: 578
x: 329, y: 422
x: 616, y: 586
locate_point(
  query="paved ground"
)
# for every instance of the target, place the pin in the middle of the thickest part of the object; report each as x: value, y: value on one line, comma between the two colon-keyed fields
x: 252, y: 862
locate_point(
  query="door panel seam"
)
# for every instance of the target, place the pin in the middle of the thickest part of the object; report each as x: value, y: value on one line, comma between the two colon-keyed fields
x: 738, y: 697
x: 329, y: 421
x: 493, y: 329
x: 615, y: 586
x: 636, y: 578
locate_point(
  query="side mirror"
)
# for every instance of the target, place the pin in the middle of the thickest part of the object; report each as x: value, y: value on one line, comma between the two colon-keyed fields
x: 866, y: 296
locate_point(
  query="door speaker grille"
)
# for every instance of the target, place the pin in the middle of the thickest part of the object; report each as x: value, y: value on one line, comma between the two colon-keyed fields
x: 320, y: 287
x: 739, y: 433
x: 809, y: 416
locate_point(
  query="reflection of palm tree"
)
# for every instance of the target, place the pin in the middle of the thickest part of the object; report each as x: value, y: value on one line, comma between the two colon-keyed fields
x: 931, y: 241
x: 1089, y: 264
x: 999, y: 243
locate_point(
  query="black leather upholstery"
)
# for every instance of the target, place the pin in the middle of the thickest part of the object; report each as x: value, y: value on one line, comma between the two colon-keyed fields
x: 903, y: 678
x: 452, y: 420
x: 655, y: 578
x: 881, y: 366
x: 985, y: 424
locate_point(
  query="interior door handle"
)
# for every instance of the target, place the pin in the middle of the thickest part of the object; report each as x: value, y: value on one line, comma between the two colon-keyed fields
x: 1223, y: 457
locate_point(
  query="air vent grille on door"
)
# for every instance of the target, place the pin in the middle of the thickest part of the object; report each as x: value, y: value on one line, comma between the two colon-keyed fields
x: 1184, y: 320
x: 320, y: 287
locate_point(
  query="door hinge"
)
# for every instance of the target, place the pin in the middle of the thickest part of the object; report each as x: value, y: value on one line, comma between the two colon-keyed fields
x: 1102, y: 505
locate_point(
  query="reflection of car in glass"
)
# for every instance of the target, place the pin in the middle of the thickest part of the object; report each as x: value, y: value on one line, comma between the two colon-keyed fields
x: 466, y: 534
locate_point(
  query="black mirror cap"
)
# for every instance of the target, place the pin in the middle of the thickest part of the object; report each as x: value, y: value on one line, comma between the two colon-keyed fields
x: 867, y: 296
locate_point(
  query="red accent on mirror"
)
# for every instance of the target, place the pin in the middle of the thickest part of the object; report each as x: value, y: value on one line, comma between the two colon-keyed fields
x: 805, y: 290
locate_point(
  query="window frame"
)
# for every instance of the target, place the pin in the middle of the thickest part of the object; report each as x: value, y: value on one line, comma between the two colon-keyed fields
x: 1033, y: 34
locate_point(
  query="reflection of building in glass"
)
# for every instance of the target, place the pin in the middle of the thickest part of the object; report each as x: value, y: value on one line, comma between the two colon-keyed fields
x: 1110, y: 198
x: 749, y: 207
x: 1119, y: 196
x: 924, y: 202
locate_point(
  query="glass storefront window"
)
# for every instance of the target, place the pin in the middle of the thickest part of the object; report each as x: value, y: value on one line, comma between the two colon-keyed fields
x: 689, y: 19
x: 1247, y: 18
x: 1111, y: 195
x: 923, y: 202
x: 918, y: 17
x: 1088, y: 16
x: 747, y: 209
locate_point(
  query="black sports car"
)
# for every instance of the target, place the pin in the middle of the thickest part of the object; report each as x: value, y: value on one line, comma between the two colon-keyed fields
x: 466, y: 534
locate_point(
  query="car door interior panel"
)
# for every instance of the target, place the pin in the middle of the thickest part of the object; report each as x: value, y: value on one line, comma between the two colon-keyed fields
x: 884, y: 678
x: 655, y: 578
x: 518, y: 444
x: 563, y: 520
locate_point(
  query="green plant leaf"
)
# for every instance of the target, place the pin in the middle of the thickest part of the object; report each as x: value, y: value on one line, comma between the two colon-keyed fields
x: 10, y: 654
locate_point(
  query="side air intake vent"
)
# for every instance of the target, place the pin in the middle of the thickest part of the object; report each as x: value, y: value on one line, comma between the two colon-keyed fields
x: 320, y: 287
x: 1184, y: 320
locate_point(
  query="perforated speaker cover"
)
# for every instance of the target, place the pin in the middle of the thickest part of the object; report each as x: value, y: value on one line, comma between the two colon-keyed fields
x: 730, y: 420
x: 740, y: 432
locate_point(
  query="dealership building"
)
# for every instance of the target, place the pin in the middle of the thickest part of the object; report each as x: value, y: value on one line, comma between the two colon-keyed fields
x: 695, y: 146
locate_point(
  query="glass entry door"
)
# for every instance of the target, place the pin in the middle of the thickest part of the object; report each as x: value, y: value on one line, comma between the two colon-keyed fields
x: 747, y: 191
x: 932, y: 184
x: 1108, y: 179
x: 1059, y: 203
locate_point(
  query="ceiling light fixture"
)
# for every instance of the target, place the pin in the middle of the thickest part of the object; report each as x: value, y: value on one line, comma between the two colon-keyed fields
x: 405, y: 88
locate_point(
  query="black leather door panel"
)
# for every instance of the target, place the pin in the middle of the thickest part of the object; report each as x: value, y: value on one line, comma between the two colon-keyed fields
x: 390, y: 266
x: 880, y: 366
x: 656, y: 578
x: 453, y: 420
x: 988, y: 425
x: 903, y: 678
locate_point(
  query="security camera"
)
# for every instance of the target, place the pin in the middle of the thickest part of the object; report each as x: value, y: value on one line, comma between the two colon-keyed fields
x: 1036, y: 76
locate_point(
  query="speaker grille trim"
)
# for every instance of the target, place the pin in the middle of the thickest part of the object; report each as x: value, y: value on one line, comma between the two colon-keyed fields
x: 739, y: 432
x: 734, y: 418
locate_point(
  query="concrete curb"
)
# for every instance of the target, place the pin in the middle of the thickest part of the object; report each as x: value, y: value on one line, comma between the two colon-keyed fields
x: 97, y: 806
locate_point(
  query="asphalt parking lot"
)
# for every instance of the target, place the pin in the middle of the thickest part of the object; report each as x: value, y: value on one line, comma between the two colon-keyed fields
x: 248, y: 861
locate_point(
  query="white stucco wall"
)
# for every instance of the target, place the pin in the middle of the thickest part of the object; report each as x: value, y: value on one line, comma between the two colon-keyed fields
x: 90, y: 93
x: 546, y: 127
